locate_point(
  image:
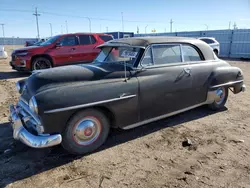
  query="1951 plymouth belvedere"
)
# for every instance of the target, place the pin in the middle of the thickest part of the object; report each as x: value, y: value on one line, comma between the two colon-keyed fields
x: 132, y: 82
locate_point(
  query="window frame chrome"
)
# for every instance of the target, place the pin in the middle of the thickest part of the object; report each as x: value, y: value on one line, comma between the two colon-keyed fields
x: 183, y: 62
x: 162, y: 65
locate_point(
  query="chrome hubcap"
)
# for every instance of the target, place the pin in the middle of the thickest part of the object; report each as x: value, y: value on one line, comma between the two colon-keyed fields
x: 87, y: 131
x: 41, y: 65
x: 221, y: 94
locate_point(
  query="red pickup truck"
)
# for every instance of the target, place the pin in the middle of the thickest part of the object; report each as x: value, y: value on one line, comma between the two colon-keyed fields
x: 59, y: 50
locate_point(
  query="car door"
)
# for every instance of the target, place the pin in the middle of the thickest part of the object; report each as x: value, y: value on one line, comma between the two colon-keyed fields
x: 201, y: 71
x: 64, y: 53
x: 87, y: 51
x: 165, y: 81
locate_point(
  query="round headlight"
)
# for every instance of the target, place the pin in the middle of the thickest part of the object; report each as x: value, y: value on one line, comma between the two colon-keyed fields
x: 33, y: 105
x: 18, y: 87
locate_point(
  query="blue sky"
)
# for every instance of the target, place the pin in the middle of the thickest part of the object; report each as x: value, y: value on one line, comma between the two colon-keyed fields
x: 187, y: 15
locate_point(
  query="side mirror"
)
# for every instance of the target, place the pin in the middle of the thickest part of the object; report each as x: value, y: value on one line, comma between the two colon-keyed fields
x: 58, y: 44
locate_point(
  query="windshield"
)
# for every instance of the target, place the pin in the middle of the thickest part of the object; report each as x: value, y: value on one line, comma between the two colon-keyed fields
x: 118, y: 55
x: 50, y: 41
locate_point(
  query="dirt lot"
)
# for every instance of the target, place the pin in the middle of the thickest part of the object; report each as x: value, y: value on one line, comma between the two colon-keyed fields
x: 148, y: 156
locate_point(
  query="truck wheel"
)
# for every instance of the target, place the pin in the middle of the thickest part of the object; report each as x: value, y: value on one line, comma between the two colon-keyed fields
x: 41, y: 63
x: 221, y: 100
x: 85, y: 132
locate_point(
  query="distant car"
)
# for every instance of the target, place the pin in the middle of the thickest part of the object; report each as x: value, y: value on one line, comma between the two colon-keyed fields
x: 213, y: 43
x: 132, y: 82
x: 59, y: 50
x: 35, y: 43
x: 29, y: 43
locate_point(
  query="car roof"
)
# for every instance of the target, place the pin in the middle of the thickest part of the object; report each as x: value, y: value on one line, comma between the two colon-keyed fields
x: 212, y: 38
x: 143, y: 42
x: 102, y: 34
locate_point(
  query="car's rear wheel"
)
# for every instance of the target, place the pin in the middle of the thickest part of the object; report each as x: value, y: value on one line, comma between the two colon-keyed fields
x: 85, y: 132
x: 41, y: 63
x: 221, y: 99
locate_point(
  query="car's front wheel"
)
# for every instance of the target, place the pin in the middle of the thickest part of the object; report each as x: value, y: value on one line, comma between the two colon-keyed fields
x: 86, y: 131
x: 221, y: 99
x: 41, y: 63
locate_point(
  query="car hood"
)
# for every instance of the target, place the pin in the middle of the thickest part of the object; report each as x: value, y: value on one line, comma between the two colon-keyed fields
x: 73, y: 74
x: 28, y: 48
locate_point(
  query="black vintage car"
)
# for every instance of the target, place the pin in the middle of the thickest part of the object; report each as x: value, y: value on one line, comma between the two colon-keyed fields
x: 132, y: 82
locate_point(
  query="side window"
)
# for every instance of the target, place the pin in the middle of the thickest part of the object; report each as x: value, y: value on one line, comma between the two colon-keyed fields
x: 208, y: 41
x: 69, y: 41
x: 164, y: 54
x: 105, y: 38
x: 147, y: 58
x: 190, y: 53
x: 85, y: 40
x: 92, y: 39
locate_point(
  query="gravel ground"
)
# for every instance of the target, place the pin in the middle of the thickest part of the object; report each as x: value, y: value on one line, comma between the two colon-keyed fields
x: 147, y: 156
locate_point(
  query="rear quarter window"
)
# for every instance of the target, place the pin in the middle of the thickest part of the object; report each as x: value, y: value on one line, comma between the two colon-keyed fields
x: 106, y: 38
x: 190, y: 53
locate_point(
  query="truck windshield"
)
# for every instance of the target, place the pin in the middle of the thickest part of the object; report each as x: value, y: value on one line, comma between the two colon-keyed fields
x: 118, y: 55
x: 50, y: 41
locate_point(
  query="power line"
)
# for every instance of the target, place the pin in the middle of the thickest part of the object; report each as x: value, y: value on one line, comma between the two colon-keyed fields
x: 76, y: 16
x: 37, y: 25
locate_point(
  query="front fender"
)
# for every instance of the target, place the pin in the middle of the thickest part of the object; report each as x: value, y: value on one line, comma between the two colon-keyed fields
x: 58, y: 105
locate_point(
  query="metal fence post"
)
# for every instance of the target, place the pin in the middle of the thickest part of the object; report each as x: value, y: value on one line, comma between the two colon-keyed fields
x: 231, y: 41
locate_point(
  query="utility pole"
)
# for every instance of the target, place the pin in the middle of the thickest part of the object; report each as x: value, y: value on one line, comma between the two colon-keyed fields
x: 66, y: 26
x: 89, y: 24
x: 37, y: 25
x: 171, y: 25
x: 107, y: 29
x: 3, y: 33
x: 229, y: 27
x: 61, y: 29
x: 51, y: 33
x: 146, y: 29
x: 206, y: 26
x: 122, y: 23
x: 235, y: 26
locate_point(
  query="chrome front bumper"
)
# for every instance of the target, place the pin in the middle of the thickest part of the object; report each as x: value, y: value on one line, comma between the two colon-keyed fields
x: 22, y: 134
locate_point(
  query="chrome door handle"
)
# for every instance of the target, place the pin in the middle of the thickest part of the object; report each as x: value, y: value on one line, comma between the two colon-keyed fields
x: 187, y: 71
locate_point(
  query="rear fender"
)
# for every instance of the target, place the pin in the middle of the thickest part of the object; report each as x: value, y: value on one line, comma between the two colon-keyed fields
x: 231, y: 77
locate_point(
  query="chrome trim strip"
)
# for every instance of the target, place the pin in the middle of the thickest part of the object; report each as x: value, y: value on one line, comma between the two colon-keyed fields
x: 226, y: 84
x: 182, y: 55
x: 162, y: 116
x: 89, y: 104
